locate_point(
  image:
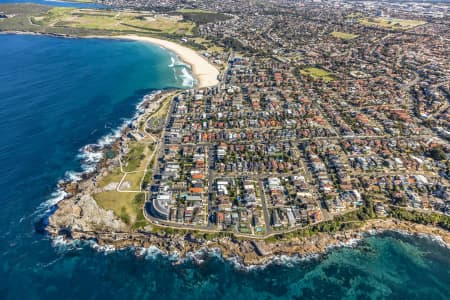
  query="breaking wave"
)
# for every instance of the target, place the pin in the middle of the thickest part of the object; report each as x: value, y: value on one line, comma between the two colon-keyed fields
x: 186, y: 77
x: 172, y: 59
x: 182, y: 72
x: 89, y: 156
x: 433, y: 237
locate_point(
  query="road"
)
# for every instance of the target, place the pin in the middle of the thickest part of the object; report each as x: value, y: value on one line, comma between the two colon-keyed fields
x: 265, y: 209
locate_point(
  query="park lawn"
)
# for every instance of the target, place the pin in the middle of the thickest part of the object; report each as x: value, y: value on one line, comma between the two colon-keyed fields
x: 210, y: 46
x: 54, y: 15
x: 391, y: 23
x: 164, y: 107
x: 137, y: 157
x: 160, y: 113
x: 116, y: 21
x: 318, y: 73
x: 135, y: 181
x: 200, y: 16
x: 133, y: 159
x: 120, y: 203
x: 344, y: 35
x: 195, y: 11
x: 354, y: 15
x: 127, y: 206
x: 115, y: 176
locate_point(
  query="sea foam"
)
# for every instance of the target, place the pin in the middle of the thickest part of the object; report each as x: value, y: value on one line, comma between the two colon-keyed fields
x: 89, y: 156
x: 182, y: 71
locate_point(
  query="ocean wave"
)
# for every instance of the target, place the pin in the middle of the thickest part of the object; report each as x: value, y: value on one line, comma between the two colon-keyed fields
x: 89, y: 156
x: 45, y: 207
x: 172, y: 59
x: 349, y: 244
x: 154, y: 253
x: 433, y: 237
x: 205, y: 253
x: 177, y: 62
x: 275, y: 260
x: 437, y: 239
x: 187, y: 80
x: 106, y: 249
x: 62, y: 245
x: 182, y: 71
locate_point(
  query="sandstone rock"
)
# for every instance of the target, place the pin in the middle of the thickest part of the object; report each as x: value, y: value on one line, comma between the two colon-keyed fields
x: 84, y: 215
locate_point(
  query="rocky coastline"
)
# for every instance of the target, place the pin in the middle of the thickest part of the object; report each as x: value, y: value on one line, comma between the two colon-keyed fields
x: 84, y: 220
x: 78, y: 217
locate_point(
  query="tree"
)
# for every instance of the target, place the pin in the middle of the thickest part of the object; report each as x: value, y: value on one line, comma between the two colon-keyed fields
x: 438, y: 153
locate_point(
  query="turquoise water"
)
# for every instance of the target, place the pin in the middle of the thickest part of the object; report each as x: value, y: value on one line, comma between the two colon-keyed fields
x: 55, y: 3
x: 57, y: 95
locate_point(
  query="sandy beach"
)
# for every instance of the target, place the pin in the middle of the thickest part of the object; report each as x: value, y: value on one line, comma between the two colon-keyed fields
x: 205, y: 73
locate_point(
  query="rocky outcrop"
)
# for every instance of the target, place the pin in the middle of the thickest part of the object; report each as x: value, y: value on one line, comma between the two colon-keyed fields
x: 82, y: 219
x: 83, y: 215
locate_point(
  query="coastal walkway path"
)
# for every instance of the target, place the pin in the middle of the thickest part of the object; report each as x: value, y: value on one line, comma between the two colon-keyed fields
x: 177, y: 226
x: 149, y: 159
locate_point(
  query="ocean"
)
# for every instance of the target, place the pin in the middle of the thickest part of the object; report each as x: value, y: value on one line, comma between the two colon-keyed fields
x: 57, y: 95
x: 55, y: 3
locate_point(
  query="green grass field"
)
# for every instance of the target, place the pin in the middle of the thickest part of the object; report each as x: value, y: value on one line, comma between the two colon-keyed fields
x: 115, y: 176
x: 128, y: 206
x: 317, y: 73
x: 195, y: 11
x: 136, y: 158
x: 114, y: 21
x: 344, y: 35
x: 200, y: 16
x: 132, y: 161
x: 391, y: 23
x: 135, y: 181
x: 354, y: 15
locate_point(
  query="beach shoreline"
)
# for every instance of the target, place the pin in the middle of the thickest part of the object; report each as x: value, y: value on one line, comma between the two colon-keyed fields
x: 78, y: 217
x: 205, y: 74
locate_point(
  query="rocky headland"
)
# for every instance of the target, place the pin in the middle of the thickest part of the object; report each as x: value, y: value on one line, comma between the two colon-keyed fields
x: 80, y: 218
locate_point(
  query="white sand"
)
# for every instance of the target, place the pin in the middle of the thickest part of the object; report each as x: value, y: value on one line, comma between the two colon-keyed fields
x: 205, y: 73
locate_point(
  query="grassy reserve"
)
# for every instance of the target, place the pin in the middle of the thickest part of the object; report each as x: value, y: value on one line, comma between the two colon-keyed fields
x: 135, y: 159
x: 391, y: 23
x: 128, y: 201
x: 200, y: 16
x: 195, y: 11
x: 134, y: 179
x: 209, y: 46
x: 128, y: 206
x: 113, y: 21
x: 174, y: 25
x: 115, y: 176
x: 317, y: 73
x: 344, y: 35
x: 82, y: 22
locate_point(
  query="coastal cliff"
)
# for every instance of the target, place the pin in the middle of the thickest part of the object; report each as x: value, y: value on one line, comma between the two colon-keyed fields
x: 83, y: 215
x: 80, y: 218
